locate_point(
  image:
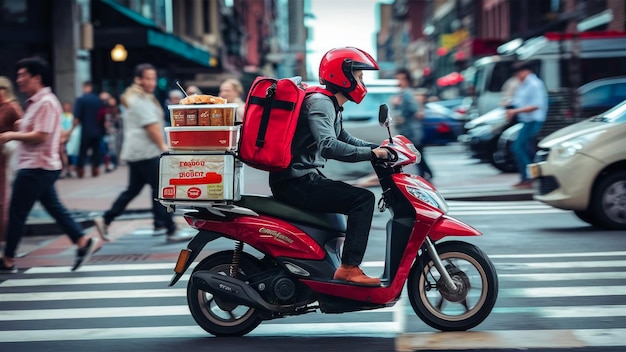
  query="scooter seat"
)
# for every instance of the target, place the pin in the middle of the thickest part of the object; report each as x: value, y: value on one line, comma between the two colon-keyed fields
x: 269, y: 205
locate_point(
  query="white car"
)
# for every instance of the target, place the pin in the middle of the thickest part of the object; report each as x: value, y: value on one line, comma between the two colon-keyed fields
x: 582, y: 167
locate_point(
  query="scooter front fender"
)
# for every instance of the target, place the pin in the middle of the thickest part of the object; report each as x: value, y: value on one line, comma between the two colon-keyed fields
x: 189, y: 254
x: 449, y: 226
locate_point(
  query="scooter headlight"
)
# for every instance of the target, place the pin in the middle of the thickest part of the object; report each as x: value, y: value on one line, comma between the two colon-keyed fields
x: 433, y: 198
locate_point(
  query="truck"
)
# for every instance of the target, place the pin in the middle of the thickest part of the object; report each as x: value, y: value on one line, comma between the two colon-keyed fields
x: 564, y: 61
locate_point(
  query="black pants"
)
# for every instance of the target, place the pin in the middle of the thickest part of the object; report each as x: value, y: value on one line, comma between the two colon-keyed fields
x: 95, y: 145
x: 141, y: 173
x: 33, y: 185
x: 318, y: 193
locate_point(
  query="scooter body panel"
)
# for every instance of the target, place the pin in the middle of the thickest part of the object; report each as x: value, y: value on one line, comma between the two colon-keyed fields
x: 269, y: 235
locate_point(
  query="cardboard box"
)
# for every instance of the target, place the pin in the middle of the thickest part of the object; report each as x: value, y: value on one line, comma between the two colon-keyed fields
x: 202, y: 138
x: 199, y: 177
x: 202, y: 115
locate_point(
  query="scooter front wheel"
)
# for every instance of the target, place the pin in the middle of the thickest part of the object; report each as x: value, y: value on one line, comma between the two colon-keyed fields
x: 464, y: 307
x: 217, y: 316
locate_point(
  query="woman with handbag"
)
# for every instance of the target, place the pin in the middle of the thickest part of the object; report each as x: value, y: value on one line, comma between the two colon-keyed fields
x: 10, y: 113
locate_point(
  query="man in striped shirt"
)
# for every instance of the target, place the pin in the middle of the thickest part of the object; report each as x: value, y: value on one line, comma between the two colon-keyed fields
x: 39, y: 164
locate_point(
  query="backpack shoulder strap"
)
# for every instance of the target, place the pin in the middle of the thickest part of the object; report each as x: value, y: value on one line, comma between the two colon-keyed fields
x: 326, y: 92
x: 318, y: 89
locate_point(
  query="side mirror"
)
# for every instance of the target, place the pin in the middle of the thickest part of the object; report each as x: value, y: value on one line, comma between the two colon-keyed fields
x: 383, y: 115
x: 384, y: 119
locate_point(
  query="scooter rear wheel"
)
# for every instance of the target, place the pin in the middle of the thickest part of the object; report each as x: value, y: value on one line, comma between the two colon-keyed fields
x: 217, y: 316
x: 462, y: 309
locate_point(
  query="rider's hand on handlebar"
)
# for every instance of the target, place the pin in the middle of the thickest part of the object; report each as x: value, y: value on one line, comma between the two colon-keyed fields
x: 381, y: 153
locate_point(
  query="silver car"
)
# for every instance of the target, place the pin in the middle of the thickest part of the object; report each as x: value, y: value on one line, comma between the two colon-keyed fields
x: 582, y: 167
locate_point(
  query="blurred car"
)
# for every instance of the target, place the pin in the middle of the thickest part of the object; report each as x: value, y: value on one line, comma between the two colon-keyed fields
x: 582, y: 168
x: 361, y: 120
x: 460, y: 106
x: 485, y: 138
x: 482, y: 134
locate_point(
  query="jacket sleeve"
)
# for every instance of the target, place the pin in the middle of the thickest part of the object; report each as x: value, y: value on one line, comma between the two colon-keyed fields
x: 322, y: 125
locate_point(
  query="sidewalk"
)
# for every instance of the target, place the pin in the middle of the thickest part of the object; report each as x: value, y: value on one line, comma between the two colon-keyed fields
x: 456, y: 176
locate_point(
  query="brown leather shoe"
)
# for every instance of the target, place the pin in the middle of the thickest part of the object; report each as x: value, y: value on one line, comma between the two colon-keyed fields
x: 352, y: 273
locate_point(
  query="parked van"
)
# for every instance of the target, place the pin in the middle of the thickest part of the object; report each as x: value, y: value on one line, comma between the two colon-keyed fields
x: 601, y: 55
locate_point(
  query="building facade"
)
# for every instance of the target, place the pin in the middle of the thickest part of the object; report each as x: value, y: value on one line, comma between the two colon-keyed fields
x: 197, y: 42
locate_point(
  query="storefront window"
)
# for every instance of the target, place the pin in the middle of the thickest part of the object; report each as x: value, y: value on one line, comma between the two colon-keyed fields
x: 151, y: 9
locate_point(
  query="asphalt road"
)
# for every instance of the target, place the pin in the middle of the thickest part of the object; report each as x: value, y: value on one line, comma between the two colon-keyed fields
x: 561, y: 284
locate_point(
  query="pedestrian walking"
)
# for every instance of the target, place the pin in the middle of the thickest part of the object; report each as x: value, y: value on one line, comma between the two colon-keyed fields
x: 410, y: 115
x: 423, y: 167
x: 86, y: 112
x: 10, y: 113
x: 142, y: 148
x: 110, y: 118
x: 39, y: 164
x: 530, y: 106
x: 232, y: 90
x: 67, y: 126
x: 173, y: 98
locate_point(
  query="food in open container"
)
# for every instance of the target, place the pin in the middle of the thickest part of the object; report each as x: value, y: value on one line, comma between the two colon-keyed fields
x: 202, y: 115
x: 202, y: 138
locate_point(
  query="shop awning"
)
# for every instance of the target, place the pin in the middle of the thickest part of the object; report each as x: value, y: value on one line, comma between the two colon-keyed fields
x: 131, y: 29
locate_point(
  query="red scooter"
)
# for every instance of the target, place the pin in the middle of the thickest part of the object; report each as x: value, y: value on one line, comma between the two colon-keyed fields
x: 452, y: 285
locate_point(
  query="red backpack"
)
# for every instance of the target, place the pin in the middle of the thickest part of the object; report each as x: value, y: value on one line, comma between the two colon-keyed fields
x: 270, y: 120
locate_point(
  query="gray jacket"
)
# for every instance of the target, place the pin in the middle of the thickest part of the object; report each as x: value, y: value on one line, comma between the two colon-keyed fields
x: 320, y: 136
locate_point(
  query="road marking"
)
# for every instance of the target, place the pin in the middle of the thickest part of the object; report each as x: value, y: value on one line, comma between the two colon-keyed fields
x: 559, y: 255
x: 120, y: 312
x: 370, y: 329
x: 90, y: 280
x: 80, y: 295
x: 563, y: 265
x: 510, y: 339
x: 100, y: 267
x: 573, y: 291
x: 537, y: 265
x: 604, y: 275
x: 454, y: 212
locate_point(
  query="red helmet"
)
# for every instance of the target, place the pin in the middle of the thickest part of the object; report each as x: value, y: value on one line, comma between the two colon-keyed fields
x: 336, y: 71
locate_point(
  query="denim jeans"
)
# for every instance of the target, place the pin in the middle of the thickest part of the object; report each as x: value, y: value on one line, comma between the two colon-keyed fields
x: 318, y: 193
x: 141, y: 173
x: 522, y: 148
x: 33, y: 185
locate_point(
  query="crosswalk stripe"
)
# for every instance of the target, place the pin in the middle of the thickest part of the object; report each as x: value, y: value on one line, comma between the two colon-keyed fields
x: 563, y: 265
x: 80, y: 295
x: 536, y: 265
x: 572, y: 291
x: 501, y: 266
x: 90, y: 280
x: 455, y: 212
x: 565, y: 311
x: 102, y: 267
x: 370, y: 329
x: 605, y: 275
x: 114, y: 312
x: 558, y: 255
x: 530, y: 292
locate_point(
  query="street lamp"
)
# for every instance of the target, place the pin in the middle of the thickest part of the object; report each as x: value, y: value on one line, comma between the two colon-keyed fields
x: 119, y: 53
